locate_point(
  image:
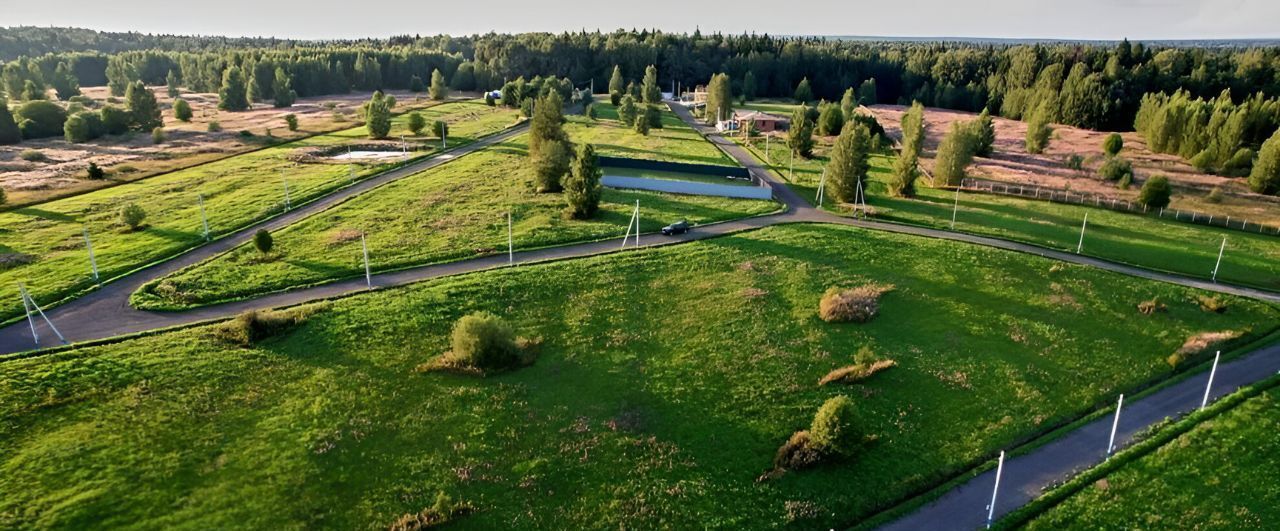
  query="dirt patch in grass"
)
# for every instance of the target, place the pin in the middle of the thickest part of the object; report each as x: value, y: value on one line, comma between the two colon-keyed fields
x: 1201, y: 343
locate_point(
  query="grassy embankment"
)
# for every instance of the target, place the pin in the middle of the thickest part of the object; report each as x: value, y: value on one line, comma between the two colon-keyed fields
x: 43, y: 245
x: 666, y: 380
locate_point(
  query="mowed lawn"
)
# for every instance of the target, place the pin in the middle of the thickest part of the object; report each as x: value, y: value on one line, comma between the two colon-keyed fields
x: 674, y: 142
x: 1145, y: 241
x: 666, y: 380
x: 451, y: 212
x: 1220, y: 475
x: 43, y: 245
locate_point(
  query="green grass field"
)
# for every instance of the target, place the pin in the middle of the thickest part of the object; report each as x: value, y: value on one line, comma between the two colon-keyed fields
x: 1220, y: 475
x: 452, y: 212
x: 666, y: 380
x: 43, y: 245
x: 674, y: 142
x: 1145, y: 241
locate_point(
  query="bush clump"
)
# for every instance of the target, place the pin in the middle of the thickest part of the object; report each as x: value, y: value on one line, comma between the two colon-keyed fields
x: 1152, y: 307
x: 253, y: 326
x: 856, y: 305
x: 832, y: 434
x: 441, y: 512
x: 482, y: 343
x: 1212, y: 304
x: 132, y: 216
x: 1199, y: 344
x: 1115, y: 169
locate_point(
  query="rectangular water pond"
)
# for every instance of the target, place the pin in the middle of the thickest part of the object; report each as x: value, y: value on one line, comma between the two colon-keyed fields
x: 683, y: 183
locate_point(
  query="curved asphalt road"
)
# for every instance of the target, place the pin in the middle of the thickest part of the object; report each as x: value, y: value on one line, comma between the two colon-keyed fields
x: 106, y: 313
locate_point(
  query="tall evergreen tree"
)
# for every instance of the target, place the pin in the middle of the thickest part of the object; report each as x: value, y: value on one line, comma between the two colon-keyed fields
x: 906, y: 167
x: 582, y: 189
x: 9, y: 132
x: 144, y: 112
x: 439, y: 90
x: 282, y: 89
x: 804, y: 93
x: 181, y: 110
x: 867, y: 93
x: 616, y: 85
x: 847, y: 171
x: 800, y: 133
x: 65, y: 82
x: 719, y: 98
x: 830, y: 120
x: 1265, y: 176
x: 749, y: 88
x: 627, y: 110
x: 848, y: 103
x: 234, y: 95
x: 954, y: 154
x: 171, y: 84
x: 649, y: 88
x: 1038, y: 130
x: 549, y: 147
x: 377, y: 116
x: 984, y: 134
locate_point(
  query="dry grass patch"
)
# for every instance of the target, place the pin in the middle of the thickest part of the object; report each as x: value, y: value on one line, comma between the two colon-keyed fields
x: 865, y: 364
x: 443, y: 511
x: 1214, y: 304
x: 1200, y: 343
x: 1152, y: 307
x: 857, y: 305
x: 253, y: 325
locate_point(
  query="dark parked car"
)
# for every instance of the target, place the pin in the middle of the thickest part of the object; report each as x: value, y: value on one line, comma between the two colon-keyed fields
x: 679, y: 227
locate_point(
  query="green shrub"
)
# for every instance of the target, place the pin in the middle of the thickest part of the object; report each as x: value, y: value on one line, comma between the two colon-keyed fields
x: 291, y: 121
x: 253, y: 326
x: 214, y: 126
x: 1156, y: 192
x: 263, y: 241
x: 181, y: 110
x: 488, y: 100
x: 41, y: 119
x: 1112, y: 144
x: 1125, y: 182
x: 115, y: 120
x: 1075, y: 162
x: 1151, y: 307
x: 94, y: 172
x: 132, y: 216
x: 157, y: 135
x: 416, y: 123
x: 832, y: 430
x: 797, y: 453
x: 483, y: 341
x: 1215, y: 195
x: 33, y: 155
x: 439, y: 128
x: 1115, y: 168
x: 441, y: 512
x: 591, y: 112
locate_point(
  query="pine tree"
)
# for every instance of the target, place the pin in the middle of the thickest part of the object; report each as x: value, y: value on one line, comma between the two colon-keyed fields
x: 749, y: 87
x: 416, y: 123
x: 652, y: 94
x: 847, y: 171
x: 377, y: 116
x: 65, y: 83
x: 616, y: 85
x: 171, y: 84
x: 848, y: 103
x: 1038, y: 130
x: 906, y: 165
x: 954, y: 154
x: 867, y: 94
x: 1156, y: 192
x: 830, y: 120
x: 9, y: 132
x: 234, y: 95
x: 582, y: 190
x: 627, y: 110
x: 416, y: 85
x: 439, y: 90
x: 913, y: 129
x: 282, y: 89
x: 1113, y: 144
x: 1265, y: 176
x: 642, y: 124
x: 719, y: 99
x: 144, y: 112
x: 804, y: 94
x: 800, y: 134
x: 547, y: 124
x: 984, y: 134
x: 181, y: 110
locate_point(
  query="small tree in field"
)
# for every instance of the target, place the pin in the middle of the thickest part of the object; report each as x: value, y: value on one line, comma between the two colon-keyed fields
x: 833, y: 428
x: 800, y: 135
x: 649, y: 87
x: 616, y: 85
x: 132, y: 216
x: 144, y: 112
x: 1156, y: 192
x: 262, y: 241
x: 984, y: 134
x: 377, y: 116
x: 157, y: 135
x: 582, y: 188
x: 483, y: 341
x: 439, y: 90
x: 1113, y: 144
x: 954, y: 154
x: 849, y: 163
x: 1264, y: 178
x: 830, y: 120
x: 282, y: 89
x: 416, y: 85
x: 181, y: 110
x: 642, y: 124
x: 627, y: 110
x: 1038, y: 129
x: 95, y: 172
x: 234, y: 95
x: 416, y: 123
x: 440, y: 128
x: 291, y: 121
x: 171, y: 84
x: 804, y: 93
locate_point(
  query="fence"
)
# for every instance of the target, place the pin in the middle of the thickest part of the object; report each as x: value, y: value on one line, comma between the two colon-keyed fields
x: 688, y: 187
x: 677, y: 167
x: 970, y: 184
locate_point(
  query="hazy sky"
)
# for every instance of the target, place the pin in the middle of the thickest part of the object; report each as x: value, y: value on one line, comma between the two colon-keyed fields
x: 1070, y: 19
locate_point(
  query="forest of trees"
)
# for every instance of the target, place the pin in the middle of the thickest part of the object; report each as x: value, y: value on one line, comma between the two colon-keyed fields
x: 1180, y: 97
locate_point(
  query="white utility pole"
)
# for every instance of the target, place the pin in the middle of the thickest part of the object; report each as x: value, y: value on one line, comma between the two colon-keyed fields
x: 768, y: 159
x: 991, y: 509
x: 444, y: 138
x: 511, y: 253
x: 822, y: 185
x: 351, y: 172
x: 1205, y: 401
x: 404, y: 148
x: 1080, y: 245
x: 637, y: 216
x: 791, y: 172
x: 27, y: 297
x: 286, y: 193
x: 1220, y: 250
x: 862, y: 199
x: 204, y: 220
x: 955, y: 207
x: 364, y: 249
x: 30, y: 320
x: 93, y: 264
x: 1115, y: 423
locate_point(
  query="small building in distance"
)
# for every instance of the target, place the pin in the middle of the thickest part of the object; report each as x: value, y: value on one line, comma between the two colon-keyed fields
x: 763, y: 122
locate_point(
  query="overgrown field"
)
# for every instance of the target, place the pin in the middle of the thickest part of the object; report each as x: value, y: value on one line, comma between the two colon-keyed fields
x: 450, y: 212
x: 666, y: 380
x: 1220, y: 475
x: 43, y: 245
x: 1249, y: 259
